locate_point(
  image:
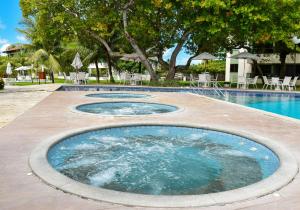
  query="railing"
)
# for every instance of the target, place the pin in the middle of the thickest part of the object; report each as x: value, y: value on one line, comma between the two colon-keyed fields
x: 216, y: 87
x: 194, y: 85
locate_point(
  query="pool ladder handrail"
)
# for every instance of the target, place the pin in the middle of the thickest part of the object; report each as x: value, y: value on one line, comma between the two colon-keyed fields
x: 194, y: 85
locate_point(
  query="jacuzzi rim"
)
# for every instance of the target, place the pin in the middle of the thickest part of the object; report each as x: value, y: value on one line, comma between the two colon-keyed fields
x: 75, y: 110
x: 287, y: 170
x: 118, y: 92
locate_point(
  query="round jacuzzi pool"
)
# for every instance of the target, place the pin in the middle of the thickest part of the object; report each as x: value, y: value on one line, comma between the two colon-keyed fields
x: 162, y: 160
x: 126, y: 108
x: 118, y: 95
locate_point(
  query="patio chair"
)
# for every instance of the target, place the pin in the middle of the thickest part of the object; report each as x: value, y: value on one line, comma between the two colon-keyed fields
x: 135, y: 79
x: 192, y: 80
x: 9, y: 81
x: 125, y: 77
x: 86, y: 78
x: 178, y: 76
x: 252, y: 81
x: 286, y: 83
x: 73, y: 77
x: 275, y: 83
x: 241, y: 82
x: 203, y: 80
x: 292, y: 84
x: 81, y: 77
x: 233, y: 79
x: 266, y: 82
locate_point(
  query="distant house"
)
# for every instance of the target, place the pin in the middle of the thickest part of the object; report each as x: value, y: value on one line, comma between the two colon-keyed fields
x: 13, y: 49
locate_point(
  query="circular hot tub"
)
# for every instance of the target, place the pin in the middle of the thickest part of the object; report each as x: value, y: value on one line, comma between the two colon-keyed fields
x: 163, y: 160
x: 163, y: 165
x: 126, y: 108
x: 118, y: 95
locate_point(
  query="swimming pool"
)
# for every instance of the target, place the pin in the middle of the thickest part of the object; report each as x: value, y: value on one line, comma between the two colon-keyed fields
x: 162, y: 160
x: 282, y: 103
x: 126, y: 108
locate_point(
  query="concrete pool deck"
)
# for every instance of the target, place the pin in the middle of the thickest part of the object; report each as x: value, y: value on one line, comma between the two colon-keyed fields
x: 20, y: 189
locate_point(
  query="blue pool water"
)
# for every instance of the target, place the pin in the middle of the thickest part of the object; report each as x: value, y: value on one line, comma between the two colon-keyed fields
x: 283, y: 104
x: 125, y: 108
x: 162, y: 160
x: 118, y: 95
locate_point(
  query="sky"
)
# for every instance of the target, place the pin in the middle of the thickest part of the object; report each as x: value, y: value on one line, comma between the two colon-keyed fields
x: 11, y: 15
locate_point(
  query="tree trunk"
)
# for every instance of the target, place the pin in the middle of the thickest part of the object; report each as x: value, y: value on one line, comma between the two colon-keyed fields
x: 282, y: 58
x: 140, y: 67
x: 164, y: 65
x: 111, y: 77
x: 172, y: 64
x: 52, y: 76
x: 257, y: 67
x: 98, y: 72
x: 135, y: 45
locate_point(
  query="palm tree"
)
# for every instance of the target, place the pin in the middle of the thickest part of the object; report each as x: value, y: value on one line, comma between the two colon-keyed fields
x: 95, y: 55
x: 47, y: 59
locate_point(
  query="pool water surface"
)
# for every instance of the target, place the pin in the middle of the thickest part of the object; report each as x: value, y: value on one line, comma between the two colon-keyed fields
x: 126, y: 108
x: 162, y: 160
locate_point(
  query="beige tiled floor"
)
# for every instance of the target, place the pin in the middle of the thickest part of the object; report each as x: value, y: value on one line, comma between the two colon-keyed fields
x: 15, y: 100
x: 21, y: 190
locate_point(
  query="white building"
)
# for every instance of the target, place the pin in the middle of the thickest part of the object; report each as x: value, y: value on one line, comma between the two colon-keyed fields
x: 269, y: 63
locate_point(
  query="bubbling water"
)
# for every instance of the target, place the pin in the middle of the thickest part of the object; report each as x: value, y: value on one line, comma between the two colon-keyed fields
x: 125, y: 108
x: 162, y: 160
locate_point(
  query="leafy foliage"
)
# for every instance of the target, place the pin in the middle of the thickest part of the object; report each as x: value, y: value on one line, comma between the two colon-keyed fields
x: 211, y: 67
x: 148, y: 28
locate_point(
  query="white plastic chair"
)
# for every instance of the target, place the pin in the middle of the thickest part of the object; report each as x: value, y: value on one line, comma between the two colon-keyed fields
x: 125, y: 77
x: 135, y: 79
x: 241, y: 82
x: 292, y: 84
x: 81, y: 77
x: 252, y: 82
x: 73, y: 77
x: 275, y: 82
x: 86, y: 78
x: 203, y: 79
x: 286, y: 83
x: 266, y: 82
